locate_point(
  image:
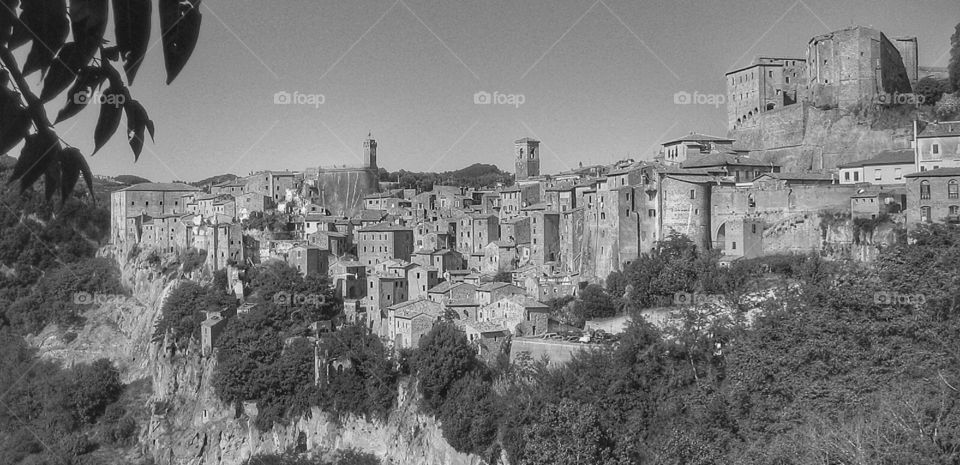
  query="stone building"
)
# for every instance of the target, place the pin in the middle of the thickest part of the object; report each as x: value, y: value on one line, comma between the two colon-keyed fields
x: 475, y: 231
x: 382, y: 242
x: 938, y: 145
x: 856, y: 65
x: 527, y: 154
x: 933, y: 196
x: 677, y: 151
x: 888, y: 167
x: 147, y: 199
x: 520, y: 314
x: 765, y: 85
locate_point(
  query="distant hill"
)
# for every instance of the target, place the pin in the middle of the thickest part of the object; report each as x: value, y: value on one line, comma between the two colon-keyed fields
x: 214, y: 180
x: 477, y: 175
x: 130, y: 179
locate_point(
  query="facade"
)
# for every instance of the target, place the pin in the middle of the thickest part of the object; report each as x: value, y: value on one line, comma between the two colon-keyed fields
x: 938, y: 146
x: 857, y: 65
x: 475, y: 231
x: 765, y: 85
x: 381, y: 242
x: 677, y: 151
x: 410, y: 321
x: 147, y: 199
x: 521, y: 315
x: 888, y: 167
x: 527, y: 154
x: 933, y: 196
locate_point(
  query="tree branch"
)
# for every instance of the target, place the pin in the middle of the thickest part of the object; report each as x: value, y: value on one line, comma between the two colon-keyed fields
x: 34, y: 106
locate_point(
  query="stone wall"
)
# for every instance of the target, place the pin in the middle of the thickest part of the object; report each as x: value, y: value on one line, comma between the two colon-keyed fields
x: 342, y: 190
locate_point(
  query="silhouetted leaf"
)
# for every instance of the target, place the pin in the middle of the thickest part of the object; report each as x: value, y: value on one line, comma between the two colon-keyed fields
x: 82, y: 91
x: 46, y: 21
x: 39, y: 151
x: 132, y: 23
x: 65, y: 68
x: 51, y: 179
x: 8, y: 17
x: 180, y: 24
x: 14, y: 120
x: 72, y: 164
x: 137, y: 122
x: 110, y: 109
x: 88, y: 20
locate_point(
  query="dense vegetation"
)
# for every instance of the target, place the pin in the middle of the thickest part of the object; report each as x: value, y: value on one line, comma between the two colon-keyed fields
x: 843, y: 364
x: 477, y: 175
x: 343, y: 457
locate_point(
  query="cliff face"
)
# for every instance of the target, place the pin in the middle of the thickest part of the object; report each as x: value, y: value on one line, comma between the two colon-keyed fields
x: 189, y: 425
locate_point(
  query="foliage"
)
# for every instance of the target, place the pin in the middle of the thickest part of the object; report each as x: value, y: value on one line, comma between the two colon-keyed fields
x: 63, y: 294
x: 503, y: 277
x: 444, y: 356
x: 478, y: 175
x: 594, y: 302
x: 367, y: 385
x: 83, y: 65
x: 49, y: 412
x: 341, y: 457
x: 192, y: 259
x: 183, y: 311
x: 954, y: 67
x: 932, y: 89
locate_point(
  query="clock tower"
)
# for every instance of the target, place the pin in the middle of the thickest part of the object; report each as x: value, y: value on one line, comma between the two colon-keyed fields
x: 526, y: 154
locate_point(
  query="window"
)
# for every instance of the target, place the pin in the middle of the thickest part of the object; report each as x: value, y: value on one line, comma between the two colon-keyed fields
x: 925, y: 214
x: 856, y: 175
x: 935, y: 149
x: 954, y: 210
x: 877, y: 174
x: 753, y: 228
x: 651, y: 213
x: 924, y: 190
x: 846, y: 175
x: 897, y: 173
x: 693, y: 194
x: 952, y: 191
x: 734, y: 245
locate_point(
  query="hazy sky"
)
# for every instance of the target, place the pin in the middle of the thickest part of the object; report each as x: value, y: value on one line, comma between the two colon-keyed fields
x: 596, y: 78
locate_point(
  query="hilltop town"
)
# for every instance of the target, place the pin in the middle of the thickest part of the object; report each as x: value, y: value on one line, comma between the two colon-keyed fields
x: 401, y: 259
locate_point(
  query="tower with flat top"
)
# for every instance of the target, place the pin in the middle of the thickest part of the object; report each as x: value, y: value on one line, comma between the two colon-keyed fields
x: 370, y: 153
x: 527, y: 156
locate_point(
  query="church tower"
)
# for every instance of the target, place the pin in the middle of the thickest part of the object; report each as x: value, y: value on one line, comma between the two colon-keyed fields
x: 526, y: 152
x: 370, y: 152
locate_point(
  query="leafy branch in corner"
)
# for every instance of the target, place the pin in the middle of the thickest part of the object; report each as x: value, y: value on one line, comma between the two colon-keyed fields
x: 80, y: 67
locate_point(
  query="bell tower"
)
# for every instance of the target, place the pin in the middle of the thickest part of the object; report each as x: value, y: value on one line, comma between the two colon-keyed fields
x: 526, y: 153
x: 370, y: 152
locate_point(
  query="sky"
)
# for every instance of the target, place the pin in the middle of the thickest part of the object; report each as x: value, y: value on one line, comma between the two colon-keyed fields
x: 593, y: 80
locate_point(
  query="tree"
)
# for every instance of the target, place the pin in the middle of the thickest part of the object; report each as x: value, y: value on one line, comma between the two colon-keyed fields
x: 594, y: 302
x: 84, y: 65
x: 932, y: 89
x: 955, y: 59
x: 444, y: 357
x: 94, y: 387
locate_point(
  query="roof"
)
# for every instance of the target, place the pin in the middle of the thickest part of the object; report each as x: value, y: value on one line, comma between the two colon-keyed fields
x: 941, y: 129
x: 886, y: 157
x: 697, y: 137
x: 721, y: 159
x: 799, y: 176
x: 374, y: 215
x: 525, y: 140
x: 412, y: 308
x: 160, y: 187
x: 489, y: 287
x: 941, y: 172
x: 385, y: 227
x: 446, y: 286
x: 484, y: 327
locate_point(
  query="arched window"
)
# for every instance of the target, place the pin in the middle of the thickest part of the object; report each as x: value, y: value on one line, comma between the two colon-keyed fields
x: 771, y: 106
x: 952, y: 189
x: 924, y: 190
